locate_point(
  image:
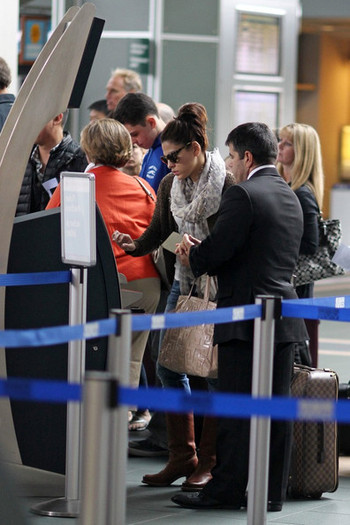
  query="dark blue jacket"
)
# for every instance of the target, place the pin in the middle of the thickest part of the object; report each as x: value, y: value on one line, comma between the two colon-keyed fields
x: 153, y: 169
x: 6, y: 103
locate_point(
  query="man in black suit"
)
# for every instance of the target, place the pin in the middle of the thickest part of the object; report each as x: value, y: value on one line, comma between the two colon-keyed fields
x: 253, y: 250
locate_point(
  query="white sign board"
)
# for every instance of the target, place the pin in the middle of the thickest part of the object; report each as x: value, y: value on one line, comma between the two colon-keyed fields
x: 78, y: 218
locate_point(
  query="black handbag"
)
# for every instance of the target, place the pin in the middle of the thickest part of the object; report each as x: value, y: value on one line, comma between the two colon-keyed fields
x: 318, y: 266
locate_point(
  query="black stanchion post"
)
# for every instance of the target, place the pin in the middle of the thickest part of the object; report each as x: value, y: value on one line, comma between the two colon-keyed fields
x: 99, y: 390
x: 119, y: 348
x: 260, y: 427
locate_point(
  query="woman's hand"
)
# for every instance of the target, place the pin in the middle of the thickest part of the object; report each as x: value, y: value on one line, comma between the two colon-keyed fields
x: 124, y: 241
x: 183, y: 248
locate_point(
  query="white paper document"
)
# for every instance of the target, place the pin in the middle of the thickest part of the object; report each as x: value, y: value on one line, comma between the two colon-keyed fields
x: 171, y: 241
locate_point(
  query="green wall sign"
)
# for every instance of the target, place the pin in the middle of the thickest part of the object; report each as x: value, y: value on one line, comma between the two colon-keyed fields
x: 139, y: 55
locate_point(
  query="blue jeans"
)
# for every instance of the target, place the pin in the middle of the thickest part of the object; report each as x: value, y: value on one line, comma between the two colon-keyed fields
x: 168, y: 378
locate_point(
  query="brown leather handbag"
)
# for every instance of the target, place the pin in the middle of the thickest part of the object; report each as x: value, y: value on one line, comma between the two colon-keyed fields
x: 190, y: 349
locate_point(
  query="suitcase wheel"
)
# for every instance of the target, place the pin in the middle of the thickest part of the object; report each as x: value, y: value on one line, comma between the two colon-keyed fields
x: 300, y: 495
x: 316, y: 495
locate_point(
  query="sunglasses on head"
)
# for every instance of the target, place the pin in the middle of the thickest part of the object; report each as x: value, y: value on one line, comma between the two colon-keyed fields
x: 173, y: 155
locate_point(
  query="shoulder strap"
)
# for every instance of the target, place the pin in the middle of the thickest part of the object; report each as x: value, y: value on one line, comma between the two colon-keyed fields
x: 145, y: 189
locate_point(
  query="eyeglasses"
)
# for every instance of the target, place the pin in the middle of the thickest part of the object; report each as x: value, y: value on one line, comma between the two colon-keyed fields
x: 173, y: 155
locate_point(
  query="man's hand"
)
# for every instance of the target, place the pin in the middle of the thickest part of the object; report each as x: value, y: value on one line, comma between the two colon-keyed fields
x: 124, y: 241
x: 183, y: 248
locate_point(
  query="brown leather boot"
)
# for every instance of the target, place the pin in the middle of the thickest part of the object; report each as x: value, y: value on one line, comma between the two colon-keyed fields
x: 182, y: 451
x: 206, y: 457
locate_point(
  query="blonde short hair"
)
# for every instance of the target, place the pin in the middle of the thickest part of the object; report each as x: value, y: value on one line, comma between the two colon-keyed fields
x: 106, y: 141
x: 132, y: 80
x: 307, y: 166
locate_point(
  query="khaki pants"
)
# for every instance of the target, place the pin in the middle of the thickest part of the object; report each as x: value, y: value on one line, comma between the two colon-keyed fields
x: 150, y: 289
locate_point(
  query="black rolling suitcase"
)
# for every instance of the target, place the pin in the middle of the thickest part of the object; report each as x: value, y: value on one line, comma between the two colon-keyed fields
x: 314, y: 463
x: 344, y: 429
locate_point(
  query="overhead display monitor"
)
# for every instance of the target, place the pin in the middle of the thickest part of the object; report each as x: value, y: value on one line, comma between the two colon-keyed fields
x: 262, y: 106
x: 258, y: 44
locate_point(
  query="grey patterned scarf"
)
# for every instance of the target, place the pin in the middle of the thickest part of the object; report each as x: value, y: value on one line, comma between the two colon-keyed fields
x: 193, y: 202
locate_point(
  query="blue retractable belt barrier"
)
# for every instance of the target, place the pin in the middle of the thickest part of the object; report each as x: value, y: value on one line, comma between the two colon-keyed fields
x: 302, y: 308
x: 327, y: 308
x: 40, y: 390
x: 174, y: 320
x: 56, y: 334
x: 21, y: 279
x: 175, y: 400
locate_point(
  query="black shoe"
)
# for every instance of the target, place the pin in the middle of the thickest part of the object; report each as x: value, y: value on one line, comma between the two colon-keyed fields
x: 145, y: 448
x: 274, y: 506
x: 198, y: 500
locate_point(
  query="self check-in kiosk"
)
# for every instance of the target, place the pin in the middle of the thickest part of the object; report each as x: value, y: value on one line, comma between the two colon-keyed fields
x: 36, y: 247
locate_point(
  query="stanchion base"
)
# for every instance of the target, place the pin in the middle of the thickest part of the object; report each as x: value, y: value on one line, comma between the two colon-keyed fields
x: 67, y: 508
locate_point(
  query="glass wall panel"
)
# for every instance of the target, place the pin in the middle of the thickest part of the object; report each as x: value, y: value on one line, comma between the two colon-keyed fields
x: 191, y: 17
x: 131, y: 15
x: 187, y: 75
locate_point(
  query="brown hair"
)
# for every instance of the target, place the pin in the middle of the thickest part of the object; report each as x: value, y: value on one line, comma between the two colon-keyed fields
x: 106, y: 141
x: 189, y: 125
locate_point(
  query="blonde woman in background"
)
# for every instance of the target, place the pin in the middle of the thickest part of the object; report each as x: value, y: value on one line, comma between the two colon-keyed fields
x: 300, y: 163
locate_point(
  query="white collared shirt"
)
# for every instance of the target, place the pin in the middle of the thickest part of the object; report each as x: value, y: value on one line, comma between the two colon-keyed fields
x: 260, y: 168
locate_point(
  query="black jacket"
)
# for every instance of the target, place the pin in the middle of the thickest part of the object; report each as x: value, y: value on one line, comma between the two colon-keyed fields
x: 253, y: 250
x: 67, y: 156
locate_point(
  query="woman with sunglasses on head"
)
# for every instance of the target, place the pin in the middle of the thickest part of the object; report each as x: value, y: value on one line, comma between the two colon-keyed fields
x: 188, y: 201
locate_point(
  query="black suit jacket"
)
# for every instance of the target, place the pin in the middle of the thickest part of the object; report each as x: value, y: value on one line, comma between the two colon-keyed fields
x: 253, y: 250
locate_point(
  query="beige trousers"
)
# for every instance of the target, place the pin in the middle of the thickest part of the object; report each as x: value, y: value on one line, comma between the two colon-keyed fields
x: 150, y: 289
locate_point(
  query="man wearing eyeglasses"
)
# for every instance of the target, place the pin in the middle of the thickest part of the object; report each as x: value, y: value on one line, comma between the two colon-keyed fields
x: 139, y: 114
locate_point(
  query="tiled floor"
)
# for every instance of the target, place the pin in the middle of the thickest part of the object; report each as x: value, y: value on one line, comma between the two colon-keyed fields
x: 152, y: 506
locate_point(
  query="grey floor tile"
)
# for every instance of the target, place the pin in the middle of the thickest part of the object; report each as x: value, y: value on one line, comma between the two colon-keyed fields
x: 314, y: 518
x: 193, y: 517
x: 337, y: 507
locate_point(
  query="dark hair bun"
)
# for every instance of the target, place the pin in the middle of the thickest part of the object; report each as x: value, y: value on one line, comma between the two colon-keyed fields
x: 193, y: 111
x: 189, y: 125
